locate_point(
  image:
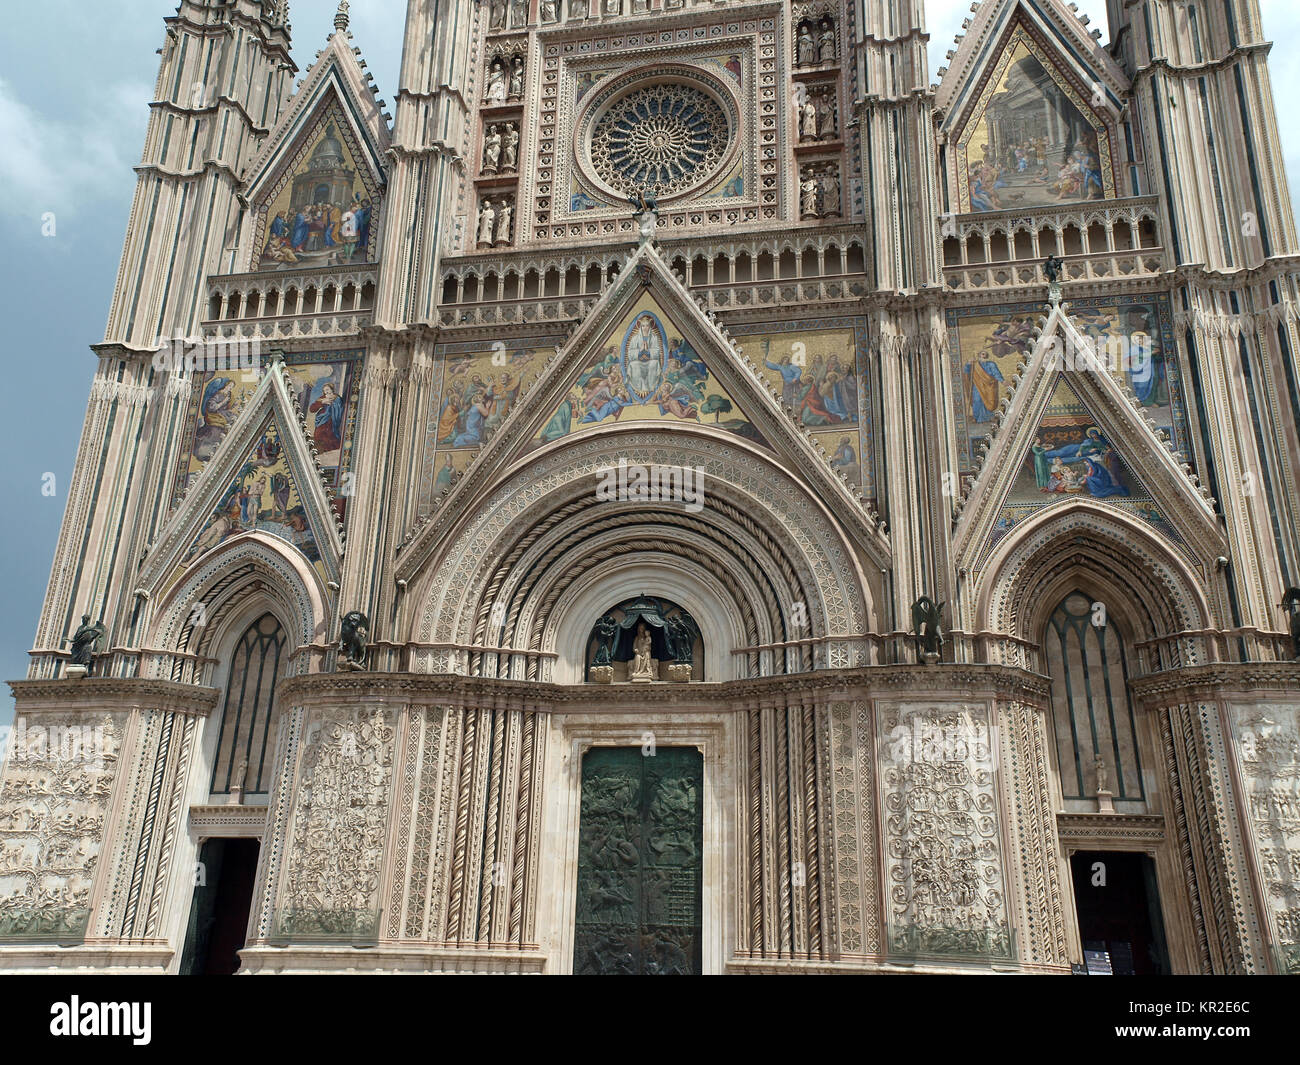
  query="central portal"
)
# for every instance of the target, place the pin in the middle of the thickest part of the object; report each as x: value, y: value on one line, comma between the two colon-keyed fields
x: 640, y: 862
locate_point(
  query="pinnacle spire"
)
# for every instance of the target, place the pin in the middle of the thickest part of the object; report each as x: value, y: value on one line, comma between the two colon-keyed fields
x: 341, y: 17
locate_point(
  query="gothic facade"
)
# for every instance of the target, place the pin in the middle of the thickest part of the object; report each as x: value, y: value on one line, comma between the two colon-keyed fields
x: 686, y: 494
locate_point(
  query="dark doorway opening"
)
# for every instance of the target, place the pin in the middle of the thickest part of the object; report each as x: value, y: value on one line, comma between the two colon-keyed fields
x: 223, y: 899
x: 1119, y: 913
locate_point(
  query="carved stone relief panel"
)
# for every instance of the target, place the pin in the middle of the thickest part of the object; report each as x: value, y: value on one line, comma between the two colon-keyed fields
x: 1267, y: 741
x: 853, y: 767
x: 944, y: 881
x: 54, y: 799
x: 337, y: 839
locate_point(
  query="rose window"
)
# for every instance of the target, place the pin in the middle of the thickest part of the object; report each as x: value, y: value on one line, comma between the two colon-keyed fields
x: 661, y: 139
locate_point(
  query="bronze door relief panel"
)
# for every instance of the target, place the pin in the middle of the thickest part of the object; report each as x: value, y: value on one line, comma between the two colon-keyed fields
x: 640, y: 862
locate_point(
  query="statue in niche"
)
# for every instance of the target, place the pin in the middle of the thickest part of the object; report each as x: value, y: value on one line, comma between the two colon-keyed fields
x: 577, y: 8
x: 491, y: 150
x: 826, y: 42
x: 808, y: 120
x: 504, y: 216
x: 606, y: 632
x: 808, y: 189
x: 549, y: 10
x: 510, y: 148
x: 486, y: 217
x: 1099, y: 766
x: 830, y: 194
x: 640, y: 7
x: 352, y: 640
x: 85, y: 642
x: 612, y: 7
x: 826, y: 116
x: 642, y: 663
x: 681, y: 639
x: 518, y: 14
x: 517, y: 78
x: 807, y: 47
x: 1290, y: 602
x: 670, y: 4
x: 497, y: 15
x: 496, y: 86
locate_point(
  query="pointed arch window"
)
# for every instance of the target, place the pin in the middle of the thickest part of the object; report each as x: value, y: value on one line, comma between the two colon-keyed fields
x: 245, y: 733
x: 1092, y: 712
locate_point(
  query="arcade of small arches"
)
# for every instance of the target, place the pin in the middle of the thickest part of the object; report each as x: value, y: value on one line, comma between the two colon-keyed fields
x: 503, y: 282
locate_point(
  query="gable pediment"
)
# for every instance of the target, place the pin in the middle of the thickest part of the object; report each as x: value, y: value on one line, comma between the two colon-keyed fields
x: 1073, y: 429
x: 1030, y: 111
x: 262, y: 477
x: 316, y: 185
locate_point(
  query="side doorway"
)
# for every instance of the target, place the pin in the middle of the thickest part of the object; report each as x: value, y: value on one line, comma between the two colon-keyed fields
x: 221, y: 907
x: 1117, y: 903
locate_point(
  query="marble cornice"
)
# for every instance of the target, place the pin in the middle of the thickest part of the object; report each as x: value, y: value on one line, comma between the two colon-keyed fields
x: 1215, y: 680
x: 1079, y: 826
x: 212, y: 109
x: 402, y: 151
x: 954, y: 681
x: 1271, y: 269
x: 209, y: 166
x: 1196, y: 70
x: 111, y: 694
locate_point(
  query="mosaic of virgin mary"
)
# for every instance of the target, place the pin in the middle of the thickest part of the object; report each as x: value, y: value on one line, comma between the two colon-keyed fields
x: 645, y: 346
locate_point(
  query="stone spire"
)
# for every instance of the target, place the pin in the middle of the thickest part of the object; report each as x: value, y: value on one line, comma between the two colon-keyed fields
x: 341, y: 17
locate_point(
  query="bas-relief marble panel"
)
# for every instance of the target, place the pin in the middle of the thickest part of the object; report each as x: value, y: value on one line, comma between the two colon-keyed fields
x: 1267, y: 741
x: 54, y: 799
x: 337, y: 839
x: 943, y: 866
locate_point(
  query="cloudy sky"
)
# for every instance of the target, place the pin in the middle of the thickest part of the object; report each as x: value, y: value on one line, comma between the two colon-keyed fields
x: 75, y: 80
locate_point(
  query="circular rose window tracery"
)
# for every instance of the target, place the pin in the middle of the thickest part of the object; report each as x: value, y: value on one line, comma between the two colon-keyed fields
x: 663, y: 139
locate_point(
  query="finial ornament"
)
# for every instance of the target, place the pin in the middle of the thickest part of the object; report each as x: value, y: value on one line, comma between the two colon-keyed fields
x: 341, y: 17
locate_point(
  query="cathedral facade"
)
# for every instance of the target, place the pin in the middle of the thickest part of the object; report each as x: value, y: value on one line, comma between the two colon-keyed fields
x: 687, y: 494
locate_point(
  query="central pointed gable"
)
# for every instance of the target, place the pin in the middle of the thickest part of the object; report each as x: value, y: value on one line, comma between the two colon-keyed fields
x: 645, y: 370
x: 647, y: 311
x: 1030, y: 109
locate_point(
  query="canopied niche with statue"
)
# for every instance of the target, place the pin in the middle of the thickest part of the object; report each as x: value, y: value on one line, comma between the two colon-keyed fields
x: 645, y: 640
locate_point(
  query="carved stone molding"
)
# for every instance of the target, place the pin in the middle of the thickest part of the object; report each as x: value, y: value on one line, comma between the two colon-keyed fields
x: 1215, y: 681
x: 1080, y: 831
x: 96, y: 694
x: 228, y: 820
x: 825, y: 685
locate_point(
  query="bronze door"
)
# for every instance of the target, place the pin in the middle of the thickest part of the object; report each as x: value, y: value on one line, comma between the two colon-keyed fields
x: 640, y: 862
